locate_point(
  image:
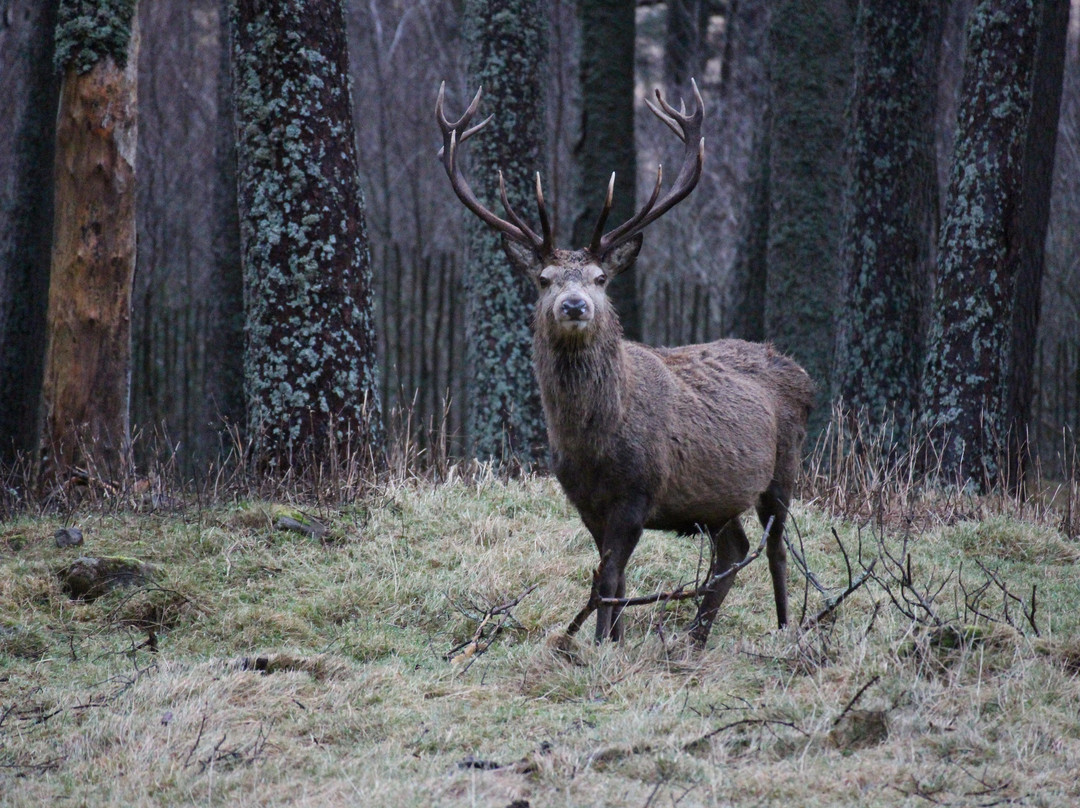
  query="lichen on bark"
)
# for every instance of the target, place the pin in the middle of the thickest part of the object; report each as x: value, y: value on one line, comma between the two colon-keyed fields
x: 88, y: 31
x: 810, y: 69
x: 967, y: 349
x: 507, y: 40
x: 889, y: 212
x: 310, y: 372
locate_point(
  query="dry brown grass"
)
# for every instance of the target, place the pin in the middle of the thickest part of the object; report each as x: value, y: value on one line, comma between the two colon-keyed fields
x: 273, y: 668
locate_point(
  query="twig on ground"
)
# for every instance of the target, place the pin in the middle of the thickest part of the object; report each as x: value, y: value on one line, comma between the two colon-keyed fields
x: 698, y: 743
x: 593, y: 601
x: 855, y: 699
x: 469, y: 650
x: 681, y: 592
x: 832, y: 602
x: 1028, y: 609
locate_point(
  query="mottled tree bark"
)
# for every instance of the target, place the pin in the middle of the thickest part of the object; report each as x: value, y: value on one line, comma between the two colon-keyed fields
x: 310, y: 374
x: 1031, y: 226
x: 30, y: 86
x: 971, y: 319
x: 606, y: 69
x: 810, y: 68
x: 84, y: 404
x: 507, y: 43
x: 890, y: 211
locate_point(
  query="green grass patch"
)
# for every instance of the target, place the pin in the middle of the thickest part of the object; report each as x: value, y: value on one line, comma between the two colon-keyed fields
x: 267, y: 666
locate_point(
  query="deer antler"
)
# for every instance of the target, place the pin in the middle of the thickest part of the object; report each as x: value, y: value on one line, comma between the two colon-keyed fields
x: 688, y: 130
x: 515, y: 229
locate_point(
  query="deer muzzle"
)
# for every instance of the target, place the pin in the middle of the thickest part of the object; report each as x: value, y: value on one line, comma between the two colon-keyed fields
x: 573, y: 312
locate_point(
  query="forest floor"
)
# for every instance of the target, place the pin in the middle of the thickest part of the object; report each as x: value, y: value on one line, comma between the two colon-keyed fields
x: 262, y: 666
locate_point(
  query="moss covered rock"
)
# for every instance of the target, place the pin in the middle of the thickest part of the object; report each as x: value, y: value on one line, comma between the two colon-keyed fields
x: 90, y: 577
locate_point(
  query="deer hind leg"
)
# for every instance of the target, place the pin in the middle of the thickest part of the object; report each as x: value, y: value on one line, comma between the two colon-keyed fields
x: 729, y: 547
x: 774, y: 503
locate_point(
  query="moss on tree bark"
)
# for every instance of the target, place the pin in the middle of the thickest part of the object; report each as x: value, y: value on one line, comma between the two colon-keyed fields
x: 310, y: 370
x: 810, y: 69
x: 507, y: 42
x: 971, y: 320
x: 890, y: 211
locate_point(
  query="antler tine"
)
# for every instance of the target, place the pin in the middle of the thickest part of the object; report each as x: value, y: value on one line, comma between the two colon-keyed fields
x: 515, y: 229
x: 678, y: 120
x: 687, y: 128
x: 634, y: 223
x: 598, y: 231
x: 545, y: 224
x: 463, y: 121
x: 468, y: 198
x: 517, y: 220
x: 456, y: 126
x: 670, y: 122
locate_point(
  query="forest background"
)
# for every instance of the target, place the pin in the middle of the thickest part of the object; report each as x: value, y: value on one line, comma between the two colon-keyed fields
x: 764, y: 248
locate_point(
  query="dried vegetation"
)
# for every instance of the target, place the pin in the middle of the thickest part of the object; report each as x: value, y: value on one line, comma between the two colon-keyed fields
x: 415, y: 653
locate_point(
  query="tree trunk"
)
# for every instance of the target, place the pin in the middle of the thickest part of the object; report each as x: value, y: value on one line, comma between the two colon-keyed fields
x: 746, y: 95
x: 507, y: 46
x: 971, y: 327
x: 1031, y: 227
x: 187, y: 375
x: 606, y: 144
x: 310, y: 369
x: 810, y: 69
x: 686, y: 41
x: 890, y: 211
x: 84, y: 411
x: 749, y: 274
x: 30, y: 87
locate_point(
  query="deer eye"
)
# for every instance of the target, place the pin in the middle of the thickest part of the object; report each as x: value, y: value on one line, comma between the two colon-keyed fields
x: 601, y: 279
x: 544, y: 282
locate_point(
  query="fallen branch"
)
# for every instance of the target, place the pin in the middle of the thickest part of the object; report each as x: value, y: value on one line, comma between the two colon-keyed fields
x: 593, y: 601
x: 699, y: 743
x: 478, y: 644
x: 682, y: 593
x: 832, y: 604
x: 679, y: 593
x: 854, y: 699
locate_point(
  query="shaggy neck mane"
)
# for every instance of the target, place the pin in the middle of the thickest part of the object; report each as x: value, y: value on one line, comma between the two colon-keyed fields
x: 582, y: 381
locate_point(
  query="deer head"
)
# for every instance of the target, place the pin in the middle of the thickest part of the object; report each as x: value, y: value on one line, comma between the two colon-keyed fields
x: 573, y: 302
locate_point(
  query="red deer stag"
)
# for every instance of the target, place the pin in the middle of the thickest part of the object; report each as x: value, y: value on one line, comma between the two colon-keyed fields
x: 683, y: 439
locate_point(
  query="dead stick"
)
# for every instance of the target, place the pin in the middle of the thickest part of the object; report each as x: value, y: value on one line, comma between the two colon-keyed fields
x: 855, y: 699
x: 591, y: 604
x: 503, y: 609
x: 684, y: 594
x: 832, y: 605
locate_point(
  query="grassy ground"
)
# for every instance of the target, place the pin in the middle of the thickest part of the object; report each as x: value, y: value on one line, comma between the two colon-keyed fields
x: 271, y: 667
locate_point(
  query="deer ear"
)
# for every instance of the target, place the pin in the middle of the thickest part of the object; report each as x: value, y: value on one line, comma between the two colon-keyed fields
x: 621, y: 257
x: 522, y: 257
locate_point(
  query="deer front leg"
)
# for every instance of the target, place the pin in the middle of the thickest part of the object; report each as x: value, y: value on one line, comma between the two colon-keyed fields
x: 729, y: 547
x: 620, y: 536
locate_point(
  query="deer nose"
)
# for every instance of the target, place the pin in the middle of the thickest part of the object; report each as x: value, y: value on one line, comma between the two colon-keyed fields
x: 574, y: 308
